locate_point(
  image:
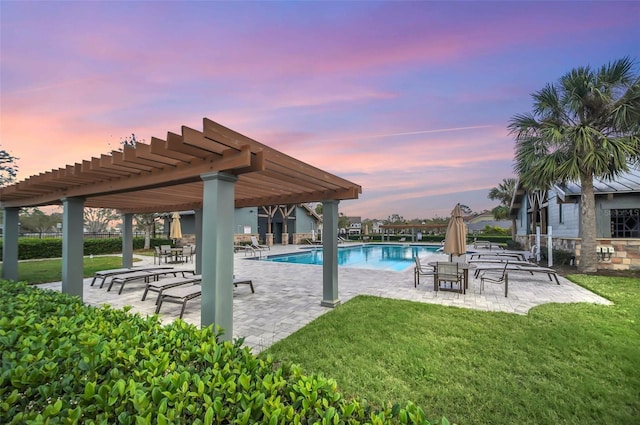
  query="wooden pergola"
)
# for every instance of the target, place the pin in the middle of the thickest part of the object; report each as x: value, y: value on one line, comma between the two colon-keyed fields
x: 211, y: 171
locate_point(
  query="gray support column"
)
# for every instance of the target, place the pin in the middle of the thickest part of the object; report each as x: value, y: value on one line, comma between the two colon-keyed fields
x: 72, y: 246
x: 330, y: 254
x: 127, y: 240
x: 10, y: 235
x: 217, y: 251
x: 198, y: 268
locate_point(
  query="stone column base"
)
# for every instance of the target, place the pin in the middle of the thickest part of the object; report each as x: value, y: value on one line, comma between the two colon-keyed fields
x: 330, y: 304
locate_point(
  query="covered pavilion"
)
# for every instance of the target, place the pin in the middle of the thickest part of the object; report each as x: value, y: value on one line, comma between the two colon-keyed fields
x: 414, y: 229
x: 212, y: 172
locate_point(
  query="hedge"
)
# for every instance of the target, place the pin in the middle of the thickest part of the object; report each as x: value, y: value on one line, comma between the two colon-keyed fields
x: 64, y: 362
x: 30, y: 249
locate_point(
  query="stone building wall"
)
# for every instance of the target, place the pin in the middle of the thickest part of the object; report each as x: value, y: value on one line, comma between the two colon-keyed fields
x: 625, y: 255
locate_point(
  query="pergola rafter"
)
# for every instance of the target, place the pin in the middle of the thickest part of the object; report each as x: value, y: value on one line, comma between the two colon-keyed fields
x: 165, y: 175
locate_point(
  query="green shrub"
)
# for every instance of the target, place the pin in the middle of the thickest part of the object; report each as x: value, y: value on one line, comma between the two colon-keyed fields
x: 64, y: 362
x: 514, y: 245
x: 560, y: 256
x: 30, y: 249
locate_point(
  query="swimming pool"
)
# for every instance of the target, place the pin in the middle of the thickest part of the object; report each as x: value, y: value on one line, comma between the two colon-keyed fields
x: 376, y: 256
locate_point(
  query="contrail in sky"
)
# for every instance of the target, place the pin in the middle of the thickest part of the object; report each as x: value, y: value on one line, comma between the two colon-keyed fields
x: 411, y: 133
x: 440, y: 130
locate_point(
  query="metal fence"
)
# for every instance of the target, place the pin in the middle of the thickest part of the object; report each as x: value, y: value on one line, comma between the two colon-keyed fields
x: 87, y: 235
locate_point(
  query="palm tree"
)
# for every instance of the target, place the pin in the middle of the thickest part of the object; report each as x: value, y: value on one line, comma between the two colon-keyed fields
x: 584, y: 126
x: 504, y: 194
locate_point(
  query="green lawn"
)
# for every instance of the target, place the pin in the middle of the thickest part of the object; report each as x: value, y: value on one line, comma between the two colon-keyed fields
x: 41, y: 271
x: 561, y: 364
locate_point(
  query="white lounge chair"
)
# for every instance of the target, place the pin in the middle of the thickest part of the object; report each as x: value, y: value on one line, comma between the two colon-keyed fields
x: 256, y: 245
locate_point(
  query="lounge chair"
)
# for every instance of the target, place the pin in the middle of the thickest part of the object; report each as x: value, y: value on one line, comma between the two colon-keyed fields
x: 248, y: 249
x: 519, y: 256
x: 171, y: 282
x: 533, y: 254
x: 531, y: 269
x: 257, y: 246
x: 146, y: 275
x: 485, y: 244
x: 420, y: 270
x: 183, y: 294
x: 105, y: 274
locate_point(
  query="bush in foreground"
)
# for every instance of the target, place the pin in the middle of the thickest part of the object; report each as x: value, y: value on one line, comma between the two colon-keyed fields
x: 64, y: 362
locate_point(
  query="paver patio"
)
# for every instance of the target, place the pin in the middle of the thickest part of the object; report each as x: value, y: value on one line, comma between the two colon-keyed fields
x: 287, y: 296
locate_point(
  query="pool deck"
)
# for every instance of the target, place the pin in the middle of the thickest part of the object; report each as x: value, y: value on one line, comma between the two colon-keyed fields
x: 287, y: 296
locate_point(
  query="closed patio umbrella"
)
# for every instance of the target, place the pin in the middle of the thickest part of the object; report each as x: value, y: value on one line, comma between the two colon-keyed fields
x: 455, y: 242
x: 176, y: 229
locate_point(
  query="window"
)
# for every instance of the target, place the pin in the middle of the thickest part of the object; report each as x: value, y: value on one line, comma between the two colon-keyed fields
x: 560, y: 216
x: 625, y: 223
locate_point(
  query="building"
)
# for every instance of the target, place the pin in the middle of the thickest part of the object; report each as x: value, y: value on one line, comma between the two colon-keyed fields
x: 275, y: 224
x: 557, y: 210
x: 477, y: 224
x: 355, y: 226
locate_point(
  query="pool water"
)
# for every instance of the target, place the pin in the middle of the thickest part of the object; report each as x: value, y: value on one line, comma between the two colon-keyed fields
x: 379, y: 257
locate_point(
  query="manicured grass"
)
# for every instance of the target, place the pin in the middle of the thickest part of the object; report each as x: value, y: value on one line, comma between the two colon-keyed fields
x: 560, y: 364
x: 41, y: 271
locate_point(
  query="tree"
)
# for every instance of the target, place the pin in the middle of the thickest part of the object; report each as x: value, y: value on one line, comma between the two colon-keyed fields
x: 584, y: 126
x: 8, y: 167
x: 37, y: 221
x: 465, y: 209
x: 343, y: 222
x: 130, y: 141
x: 395, y: 219
x: 97, y: 220
x: 146, y: 223
x: 504, y: 193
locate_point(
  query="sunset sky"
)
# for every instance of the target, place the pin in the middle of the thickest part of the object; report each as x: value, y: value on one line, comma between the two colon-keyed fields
x: 411, y: 100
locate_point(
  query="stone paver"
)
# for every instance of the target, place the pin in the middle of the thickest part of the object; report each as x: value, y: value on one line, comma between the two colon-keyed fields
x: 288, y: 296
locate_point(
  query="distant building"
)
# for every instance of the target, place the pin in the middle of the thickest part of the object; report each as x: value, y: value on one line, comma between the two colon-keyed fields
x: 375, y: 226
x: 355, y: 226
x: 477, y: 224
x: 274, y: 224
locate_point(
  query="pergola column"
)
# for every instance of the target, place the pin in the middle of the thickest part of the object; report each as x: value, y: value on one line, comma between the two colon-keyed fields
x: 330, y: 296
x: 10, y: 235
x: 127, y: 240
x: 198, y: 223
x: 217, y: 247
x: 72, y: 246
